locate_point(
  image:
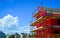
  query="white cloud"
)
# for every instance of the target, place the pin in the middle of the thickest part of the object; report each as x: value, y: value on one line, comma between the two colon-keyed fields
x: 8, y: 22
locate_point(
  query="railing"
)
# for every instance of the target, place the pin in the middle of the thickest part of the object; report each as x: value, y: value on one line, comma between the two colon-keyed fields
x: 33, y: 27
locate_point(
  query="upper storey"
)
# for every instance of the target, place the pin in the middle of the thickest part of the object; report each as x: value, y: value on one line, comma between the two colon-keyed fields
x: 46, y: 11
x: 41, y: 12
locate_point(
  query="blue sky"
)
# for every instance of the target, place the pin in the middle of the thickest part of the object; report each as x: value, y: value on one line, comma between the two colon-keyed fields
x: 22, y: 9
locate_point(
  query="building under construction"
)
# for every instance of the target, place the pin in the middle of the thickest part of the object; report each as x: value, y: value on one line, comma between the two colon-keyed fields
x: 46, y: 24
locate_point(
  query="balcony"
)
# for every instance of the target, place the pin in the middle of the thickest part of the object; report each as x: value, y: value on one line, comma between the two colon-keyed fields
x: 40, y: 28
x: 33, y: 27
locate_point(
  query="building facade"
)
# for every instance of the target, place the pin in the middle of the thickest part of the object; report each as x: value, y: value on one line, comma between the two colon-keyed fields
x: 47, y: 23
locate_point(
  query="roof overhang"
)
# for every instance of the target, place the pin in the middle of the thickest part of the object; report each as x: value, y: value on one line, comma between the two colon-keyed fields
x: 41, y: 20
x: 51, y: 10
